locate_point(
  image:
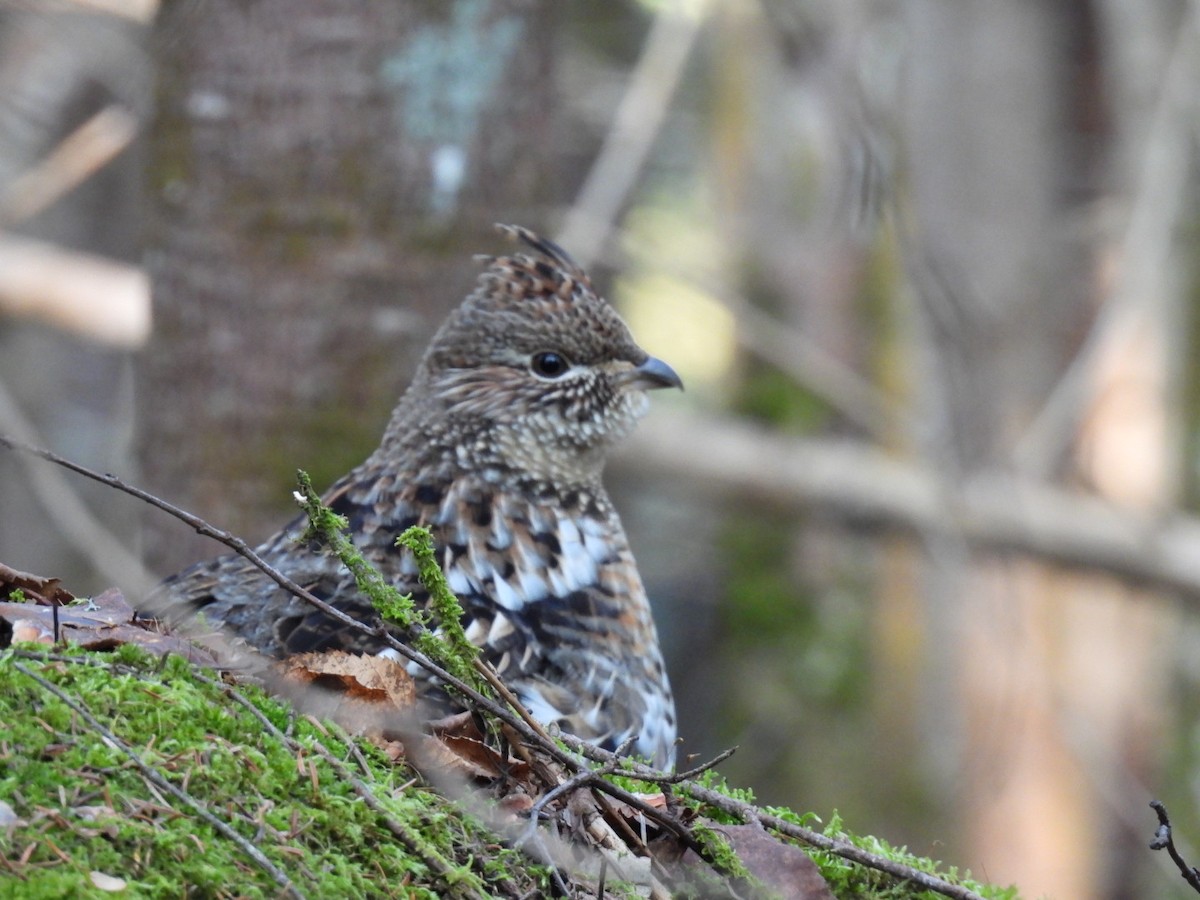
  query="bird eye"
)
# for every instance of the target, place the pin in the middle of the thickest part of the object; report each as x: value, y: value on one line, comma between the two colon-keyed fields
x: 549, y: 364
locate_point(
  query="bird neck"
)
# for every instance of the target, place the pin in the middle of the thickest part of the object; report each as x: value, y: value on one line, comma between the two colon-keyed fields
x: 445, y: 451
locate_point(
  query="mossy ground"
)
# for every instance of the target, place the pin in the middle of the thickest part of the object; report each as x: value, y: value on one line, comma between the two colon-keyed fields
x: 85, y: 807
x: 89, y: 808
x: 848, y: 879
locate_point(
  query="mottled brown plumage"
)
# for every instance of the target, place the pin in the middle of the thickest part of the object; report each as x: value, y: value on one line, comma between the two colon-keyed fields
x: 497, y: 447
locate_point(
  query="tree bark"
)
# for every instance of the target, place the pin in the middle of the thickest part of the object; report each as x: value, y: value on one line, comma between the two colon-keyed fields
x: 1005, y: 133
x: 321, y: 174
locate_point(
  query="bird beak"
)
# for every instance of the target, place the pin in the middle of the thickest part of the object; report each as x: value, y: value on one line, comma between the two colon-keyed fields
x: 651, y: 375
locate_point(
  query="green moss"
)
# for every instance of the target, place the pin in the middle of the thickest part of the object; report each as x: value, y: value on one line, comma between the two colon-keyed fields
x: 631, y: 784
x: 718, y: 852
x: 329, y: 528
x: 847, y: 879
x: 716, y: 782
x: 444, y: 607
x: 86, y: 807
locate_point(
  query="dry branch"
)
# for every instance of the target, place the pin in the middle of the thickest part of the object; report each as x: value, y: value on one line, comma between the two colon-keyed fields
x: 994, y: 511
x: 99, y: 298
x: 1164, y: 840
x: 78, y: 157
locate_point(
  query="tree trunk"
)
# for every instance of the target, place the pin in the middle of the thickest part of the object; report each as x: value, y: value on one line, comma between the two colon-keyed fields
x: 322, y: 173
x: 1041, y: 677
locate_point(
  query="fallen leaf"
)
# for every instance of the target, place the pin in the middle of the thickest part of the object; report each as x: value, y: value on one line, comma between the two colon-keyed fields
x: 109, y: 883
x: 102, y: 623
x: 485, y: 761
x: 516, y: 804
x: 657, y: 801
x: 28, y: 630
x: 8, y: 816
x: 37, y: 588
x: 393, y: 750
x: 374, y: 679
x: 784, y: 869
x: 368, y: 695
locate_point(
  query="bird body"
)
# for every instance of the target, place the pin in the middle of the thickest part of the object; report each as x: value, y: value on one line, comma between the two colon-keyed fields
x: 497, y: 448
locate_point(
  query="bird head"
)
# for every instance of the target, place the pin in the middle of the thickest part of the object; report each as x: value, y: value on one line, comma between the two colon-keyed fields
x: 539, y: 364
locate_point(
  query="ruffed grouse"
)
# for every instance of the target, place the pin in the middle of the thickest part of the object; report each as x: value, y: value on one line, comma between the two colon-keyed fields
x: 497, y: 447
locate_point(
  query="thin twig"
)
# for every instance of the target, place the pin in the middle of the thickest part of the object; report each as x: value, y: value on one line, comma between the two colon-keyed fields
x: 1163, y: 840
x: 492, y: 677
x: 698, y: 770
x: 63, y: 506
x: 576, y: 781
x: 151, y: 775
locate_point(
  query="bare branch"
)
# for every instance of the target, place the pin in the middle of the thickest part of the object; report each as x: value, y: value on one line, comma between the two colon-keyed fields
x: 991, y: 510
x: 78, y: 157
x: 98, y: 298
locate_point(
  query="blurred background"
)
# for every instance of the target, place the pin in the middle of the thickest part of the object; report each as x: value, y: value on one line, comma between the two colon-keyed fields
x: 921, y: 533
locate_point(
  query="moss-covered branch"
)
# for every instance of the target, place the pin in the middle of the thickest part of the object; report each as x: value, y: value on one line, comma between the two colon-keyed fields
x: 446, y: 644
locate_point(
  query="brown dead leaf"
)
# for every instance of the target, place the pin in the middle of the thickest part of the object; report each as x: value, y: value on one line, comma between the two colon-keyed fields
x: 486, y: 760
x: 516, y: 804
x: 363, y: 694
x: 37, y: 588
x: 784, y: 869
x: 432, y: 755
x: 459, y: 724
x: 101, y: 623
x: 371, y: 679
x: 393, y: 750
x: 28, y: 630
x: 657, y: 801
x: 459, y: 733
